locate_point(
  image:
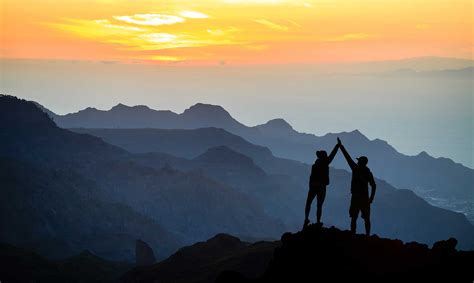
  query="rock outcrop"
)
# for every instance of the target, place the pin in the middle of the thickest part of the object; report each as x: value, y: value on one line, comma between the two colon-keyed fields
x: 331, y: 255
x: 144, y: 254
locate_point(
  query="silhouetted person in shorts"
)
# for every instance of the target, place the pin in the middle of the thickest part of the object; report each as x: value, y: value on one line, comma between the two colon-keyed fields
x: 318, y: 181
x: 361, y: 178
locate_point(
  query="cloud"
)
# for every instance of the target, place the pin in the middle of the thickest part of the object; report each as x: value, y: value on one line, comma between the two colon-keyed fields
x: 294, y: 23
x: 271, y: 25
x: 107, y: 24
x: 164, y: 41
x: 193, y: 15
x: 158, y: 37
x: 165, y: 58
x: 96, y: 29
x: 221, y: 32
x: 150, y: 19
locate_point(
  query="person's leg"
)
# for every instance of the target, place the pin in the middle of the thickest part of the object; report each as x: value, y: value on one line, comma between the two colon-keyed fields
x: 309, y: 200
x: 354, y: 212
x: 366, y: 215
x: 320, y: 200
x: 367, y: 226
x: 353, y: 224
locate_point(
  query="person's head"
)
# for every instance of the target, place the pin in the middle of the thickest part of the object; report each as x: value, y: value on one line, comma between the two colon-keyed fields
x: 362, y: 161
x: 321, y: 154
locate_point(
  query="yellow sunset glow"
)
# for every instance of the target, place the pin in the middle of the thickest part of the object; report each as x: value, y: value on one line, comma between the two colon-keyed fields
x: 236, y: 31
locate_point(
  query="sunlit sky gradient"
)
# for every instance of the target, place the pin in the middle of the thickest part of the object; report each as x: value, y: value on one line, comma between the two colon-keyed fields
x: 235, y: 31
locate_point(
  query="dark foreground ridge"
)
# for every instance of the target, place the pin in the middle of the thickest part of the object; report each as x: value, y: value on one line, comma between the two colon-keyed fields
x: 329, y: 254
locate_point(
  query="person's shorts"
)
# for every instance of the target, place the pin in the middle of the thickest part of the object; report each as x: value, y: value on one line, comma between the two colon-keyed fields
x: 362, y: 204
x: 318, y: 190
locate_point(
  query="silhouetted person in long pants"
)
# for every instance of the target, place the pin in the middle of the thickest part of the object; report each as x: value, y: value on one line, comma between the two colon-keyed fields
x: 361, y: 178
x: 318, y: 181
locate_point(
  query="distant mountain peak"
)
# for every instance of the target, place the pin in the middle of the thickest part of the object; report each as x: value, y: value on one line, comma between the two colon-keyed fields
x: 423, y: 154
x: 276, y: 127
x: 123, y: 107
x: 279, y: 123
x: 120, y: 106
x: 16, y: 113
x: 206, y: 108
x: 224, y: 238
x: 86, y: 110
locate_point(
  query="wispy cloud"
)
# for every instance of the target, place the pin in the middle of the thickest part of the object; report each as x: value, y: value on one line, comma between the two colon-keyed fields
x: 165, y: 58
x: 150, y: 19
x: 164, y: 41
x: 193, y: 15
x: 107, y: 24
x: 222, y: 32
x: 271, y: 25
x: 294, y: 23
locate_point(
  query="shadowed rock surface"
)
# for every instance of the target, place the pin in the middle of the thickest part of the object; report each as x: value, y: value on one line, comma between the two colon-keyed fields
x: 144, y: 254
x: 202, y: 262
x: 332, y: 255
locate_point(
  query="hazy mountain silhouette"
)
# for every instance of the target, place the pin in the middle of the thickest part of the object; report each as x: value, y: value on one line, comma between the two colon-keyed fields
x: 420, y: 172
x: 282, y: 188
x: 189, y: 205
x: 204, y: 261
x: 58, y: 213
x: 464, y: 73
x: 23, y: 265
x: 324, y: 255
x: 192, y: 143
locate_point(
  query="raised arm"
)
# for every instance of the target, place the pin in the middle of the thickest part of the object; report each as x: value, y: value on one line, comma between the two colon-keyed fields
x: 373, y: 186
x: 349, y: 160
x: 333, y: 154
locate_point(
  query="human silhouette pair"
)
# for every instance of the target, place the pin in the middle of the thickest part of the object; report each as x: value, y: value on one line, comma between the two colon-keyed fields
x: 362, y: 177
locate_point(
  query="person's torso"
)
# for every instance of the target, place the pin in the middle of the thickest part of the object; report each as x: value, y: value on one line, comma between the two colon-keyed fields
x: 360, y: 181
x: 320, y: 173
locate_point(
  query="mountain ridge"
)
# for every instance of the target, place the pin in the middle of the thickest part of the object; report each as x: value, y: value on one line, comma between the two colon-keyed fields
x: 404, y: 171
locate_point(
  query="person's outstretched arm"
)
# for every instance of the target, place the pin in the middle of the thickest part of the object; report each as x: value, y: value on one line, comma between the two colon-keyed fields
x: 349, y: 160
x: 373, y: 186
x: 333, y: 153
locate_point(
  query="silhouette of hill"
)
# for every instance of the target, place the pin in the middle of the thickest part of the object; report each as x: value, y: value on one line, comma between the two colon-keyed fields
x: 23, y: 265
x: 282, y: 189
x: 202, y: 262
x: 317, y: 254
x: 58, y: 213
x: 194, y: 142
x: 189, y: 206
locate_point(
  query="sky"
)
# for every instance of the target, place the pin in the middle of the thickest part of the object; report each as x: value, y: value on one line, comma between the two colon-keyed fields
x: 201, y: 32
x: 323, y: 65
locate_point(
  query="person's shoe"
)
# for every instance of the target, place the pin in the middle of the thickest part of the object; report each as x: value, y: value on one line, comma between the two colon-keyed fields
x: 306, y: 223
x: 319, y: 224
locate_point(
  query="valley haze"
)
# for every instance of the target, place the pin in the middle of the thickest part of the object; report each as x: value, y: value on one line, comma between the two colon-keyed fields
x: 418, y: 104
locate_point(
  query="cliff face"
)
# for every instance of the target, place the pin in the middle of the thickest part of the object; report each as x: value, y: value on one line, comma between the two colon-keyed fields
x: 329, y: 254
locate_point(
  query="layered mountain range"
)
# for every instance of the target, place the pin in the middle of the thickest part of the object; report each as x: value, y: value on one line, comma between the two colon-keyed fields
x: 420, y: 173
x: 65, y: 191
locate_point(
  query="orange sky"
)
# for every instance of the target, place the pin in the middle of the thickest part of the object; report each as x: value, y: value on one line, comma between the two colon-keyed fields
x: 235, y: 31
